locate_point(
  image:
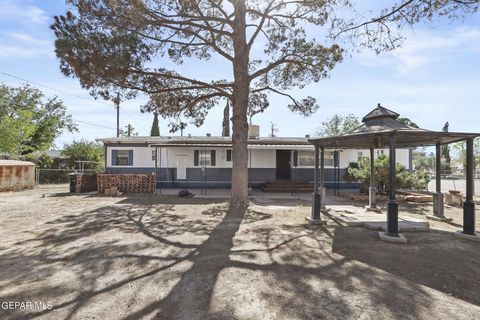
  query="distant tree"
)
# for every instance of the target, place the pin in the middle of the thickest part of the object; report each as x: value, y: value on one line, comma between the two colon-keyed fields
x: 41, y: 159
x: 446, y: 148
x: 408, y: 122
x: 129, y: 131
x: 84, y: 150
x: 226, y: 121
x: 337, y: 125
x: 155, y: 131
x: 29, y: 122
x: 422, y: 161
x: 460, y: 153
x: 445, y: 153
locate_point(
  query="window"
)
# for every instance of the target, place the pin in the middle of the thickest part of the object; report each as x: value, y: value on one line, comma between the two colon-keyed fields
x: 204, y: 158
x: 229, y: 155
x: 329, y: 158
x: 306, y: 158
x: 122, y: 158
x: 153, y: 155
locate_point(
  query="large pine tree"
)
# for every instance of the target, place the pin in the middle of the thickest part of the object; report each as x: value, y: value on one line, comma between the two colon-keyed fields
x: 270, y: 44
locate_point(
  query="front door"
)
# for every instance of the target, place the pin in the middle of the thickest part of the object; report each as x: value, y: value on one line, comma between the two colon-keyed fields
x: 181, y: 167
x: 282, y: 171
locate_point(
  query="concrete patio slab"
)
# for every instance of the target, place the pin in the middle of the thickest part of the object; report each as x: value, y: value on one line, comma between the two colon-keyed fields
x: 475, y: 237
x: 354, y: 216
x: 316, y: 222
x: 385, y: 237
x: 373, y: 209
x: 441, y: 219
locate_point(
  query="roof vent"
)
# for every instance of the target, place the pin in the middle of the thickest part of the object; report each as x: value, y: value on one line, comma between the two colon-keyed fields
x: 307, y: 136
x: 209, y: 135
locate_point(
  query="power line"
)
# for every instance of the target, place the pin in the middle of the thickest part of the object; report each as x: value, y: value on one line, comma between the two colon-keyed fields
x: 94, y: 124
x: 54, y: 89
x: 71, y: 94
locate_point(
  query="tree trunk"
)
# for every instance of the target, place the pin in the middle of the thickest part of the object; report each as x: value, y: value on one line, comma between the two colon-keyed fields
x: 240, y: 106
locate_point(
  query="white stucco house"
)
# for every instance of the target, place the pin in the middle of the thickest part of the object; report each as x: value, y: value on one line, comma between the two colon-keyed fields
x: 191, y: 162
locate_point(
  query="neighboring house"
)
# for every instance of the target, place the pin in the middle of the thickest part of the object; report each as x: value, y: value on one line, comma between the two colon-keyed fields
x: 59, y: 160
x: 189, y: 162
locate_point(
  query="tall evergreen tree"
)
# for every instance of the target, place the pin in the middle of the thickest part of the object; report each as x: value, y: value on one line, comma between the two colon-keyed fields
x: 446, y: 147
x: 155, y: 131
x: 226, y: 121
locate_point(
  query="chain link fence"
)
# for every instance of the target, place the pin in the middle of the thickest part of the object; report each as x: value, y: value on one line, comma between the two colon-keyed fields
x: 57, y: 176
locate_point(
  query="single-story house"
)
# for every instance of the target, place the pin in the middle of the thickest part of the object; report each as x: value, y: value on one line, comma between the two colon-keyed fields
x: 194, y: 162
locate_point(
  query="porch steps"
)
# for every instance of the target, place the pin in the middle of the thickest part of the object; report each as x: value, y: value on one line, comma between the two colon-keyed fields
x: 288, y: 186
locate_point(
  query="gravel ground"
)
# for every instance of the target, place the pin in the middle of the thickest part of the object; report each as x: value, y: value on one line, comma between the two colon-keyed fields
x: 142, y: 257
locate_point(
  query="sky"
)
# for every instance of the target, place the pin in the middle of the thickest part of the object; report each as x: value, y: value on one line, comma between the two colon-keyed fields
x: 433, y: 78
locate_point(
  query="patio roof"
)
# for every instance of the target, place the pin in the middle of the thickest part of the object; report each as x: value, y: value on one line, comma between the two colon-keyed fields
x: 377, y: 128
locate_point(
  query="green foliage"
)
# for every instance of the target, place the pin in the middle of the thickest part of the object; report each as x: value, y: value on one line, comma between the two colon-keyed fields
x: 226, y: 121
x: 129, y: 131
x: 28, y: 123
x: 337, y: 125
x: 41, y: 159
x: 446, y: 149
x: 155, y: 131
x: 408, y: 122
x: 422, y: 161
x: 84, y: 150
x: 360, y: 171
x: 460, y: 153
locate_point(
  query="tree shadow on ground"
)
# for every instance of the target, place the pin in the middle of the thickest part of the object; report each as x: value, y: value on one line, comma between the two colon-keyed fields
x: 437, y: 259
x: 212, y: 259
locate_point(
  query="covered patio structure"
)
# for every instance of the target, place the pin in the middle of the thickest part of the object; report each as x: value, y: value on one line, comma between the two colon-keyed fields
x: 381, y: 129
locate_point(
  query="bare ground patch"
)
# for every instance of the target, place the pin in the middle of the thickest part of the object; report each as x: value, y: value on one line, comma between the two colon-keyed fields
x: 163, y: 257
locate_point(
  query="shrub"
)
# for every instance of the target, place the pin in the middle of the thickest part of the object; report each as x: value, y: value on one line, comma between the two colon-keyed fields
x: 360, y: 172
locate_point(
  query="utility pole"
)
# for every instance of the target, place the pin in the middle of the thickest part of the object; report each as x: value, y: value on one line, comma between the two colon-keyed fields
x: 117, y: 106
x: 183, y: 125
x: 273, y: 129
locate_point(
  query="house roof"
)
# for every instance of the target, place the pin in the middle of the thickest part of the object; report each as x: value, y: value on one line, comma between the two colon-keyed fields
x: 205, y: 141
x: 4, y: 163
x: 55, y: 154
x: 379, y: 125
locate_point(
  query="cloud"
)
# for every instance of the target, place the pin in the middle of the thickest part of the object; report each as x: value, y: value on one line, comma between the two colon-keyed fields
x: 25, y: 38
x: 25, y: 33
x: 14, y: 45
x: 423, y: 48
x: 11, y: 51
x: 11, y: 11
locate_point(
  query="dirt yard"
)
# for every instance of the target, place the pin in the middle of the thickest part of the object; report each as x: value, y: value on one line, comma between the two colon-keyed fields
x: 142, y: 257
